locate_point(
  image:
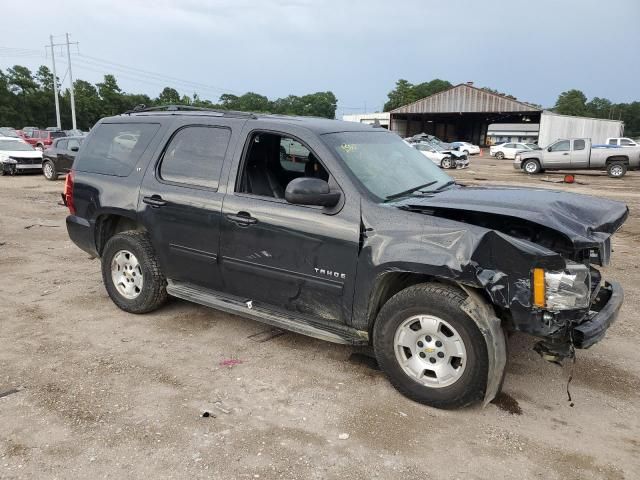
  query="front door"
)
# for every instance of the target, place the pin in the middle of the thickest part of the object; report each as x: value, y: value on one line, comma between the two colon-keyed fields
x: 558, y: 155
x: 301, y: 259
x: 180, y: 204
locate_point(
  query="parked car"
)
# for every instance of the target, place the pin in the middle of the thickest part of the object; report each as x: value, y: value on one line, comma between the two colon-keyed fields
x: 533, y: 146
x: 9, y: 132
x: 28, y: 131
x: 75, y: 133
x: 441, y: 157
x: 622, y: 142
x: 16, y: 156
x: 507, y: 150
x: 466, y: 148
x: 367, y: 245
x: 579, y: 154
x: 41, y: 139
x: 58, y: 159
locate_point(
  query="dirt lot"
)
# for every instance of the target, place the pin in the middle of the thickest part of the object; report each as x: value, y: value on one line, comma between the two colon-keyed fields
x: 105, y: 394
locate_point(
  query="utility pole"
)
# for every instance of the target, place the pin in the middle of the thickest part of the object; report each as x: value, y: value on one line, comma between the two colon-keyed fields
x: 55, y: 83
x: 73, y: 100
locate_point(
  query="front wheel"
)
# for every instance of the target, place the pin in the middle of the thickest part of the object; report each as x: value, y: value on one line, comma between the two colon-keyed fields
x: 446, y: 163
x: 499, y: 155
x: 431, y: 351
x: 531, y: 167
x: 131, y: 273
x: 616, y: 169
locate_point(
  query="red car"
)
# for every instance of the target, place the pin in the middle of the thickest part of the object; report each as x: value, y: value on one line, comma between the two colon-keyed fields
x: 41, y: 139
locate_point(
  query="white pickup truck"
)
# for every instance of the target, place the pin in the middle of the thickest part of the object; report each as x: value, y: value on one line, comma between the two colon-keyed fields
x: 579, y: 154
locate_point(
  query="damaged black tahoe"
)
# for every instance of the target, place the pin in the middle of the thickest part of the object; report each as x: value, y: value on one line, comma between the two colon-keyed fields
x: 343, y: 232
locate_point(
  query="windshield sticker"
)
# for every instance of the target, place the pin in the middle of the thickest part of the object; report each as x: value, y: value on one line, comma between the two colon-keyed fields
x: 348, y: 147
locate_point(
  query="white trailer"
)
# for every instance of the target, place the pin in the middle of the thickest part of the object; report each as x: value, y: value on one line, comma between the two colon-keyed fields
x: 554, y: 126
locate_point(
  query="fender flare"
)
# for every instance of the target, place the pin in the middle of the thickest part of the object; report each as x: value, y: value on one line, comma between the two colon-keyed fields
x: 489, y: 324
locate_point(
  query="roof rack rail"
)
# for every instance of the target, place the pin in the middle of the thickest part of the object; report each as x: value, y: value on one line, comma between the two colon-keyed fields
x: 188, y: 108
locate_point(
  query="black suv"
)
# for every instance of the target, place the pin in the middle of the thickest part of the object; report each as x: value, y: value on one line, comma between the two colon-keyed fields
x: 57, y: 159
x: 344, y: 232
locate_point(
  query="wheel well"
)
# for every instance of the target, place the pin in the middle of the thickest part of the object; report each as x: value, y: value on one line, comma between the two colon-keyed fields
x: 109, y: 225
x: 390, y: 284
x: 622, y: 159
x: 524, y: 160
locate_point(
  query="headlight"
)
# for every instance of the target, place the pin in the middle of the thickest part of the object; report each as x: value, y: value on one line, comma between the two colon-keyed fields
x: 567, y: 289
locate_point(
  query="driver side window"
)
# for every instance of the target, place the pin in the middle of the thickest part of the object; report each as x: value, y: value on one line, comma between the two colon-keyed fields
x: 272, y: 161
x: 561, y: 146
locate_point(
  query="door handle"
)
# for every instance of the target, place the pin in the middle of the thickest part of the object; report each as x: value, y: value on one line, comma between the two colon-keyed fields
x: 243, y: 219
x: 155, y: 201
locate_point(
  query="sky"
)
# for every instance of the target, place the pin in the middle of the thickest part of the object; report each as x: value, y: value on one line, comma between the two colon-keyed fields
x: 358, y: 49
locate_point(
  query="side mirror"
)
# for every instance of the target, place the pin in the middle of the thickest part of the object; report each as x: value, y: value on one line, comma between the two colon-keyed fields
x: 548, y: 149
x: 74, y: 149
x: 310, y: 191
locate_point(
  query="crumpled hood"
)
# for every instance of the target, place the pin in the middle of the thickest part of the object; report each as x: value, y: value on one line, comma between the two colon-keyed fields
x: 584, y: 220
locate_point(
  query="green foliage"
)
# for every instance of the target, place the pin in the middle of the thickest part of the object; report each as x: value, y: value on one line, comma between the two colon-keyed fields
x: 405, y: 92
x: 27, y: 99
x: 571, y: 102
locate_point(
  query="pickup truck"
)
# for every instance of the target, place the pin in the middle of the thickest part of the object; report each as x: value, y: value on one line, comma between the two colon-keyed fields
x: 343, y: 232
x: 579, y: 154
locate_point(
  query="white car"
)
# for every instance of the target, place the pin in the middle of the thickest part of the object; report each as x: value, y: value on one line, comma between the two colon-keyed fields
x: 622, y: 142
x: 507, y: 150
x: 16, y: 155
x: 466, y: 147
x: 441, y: 157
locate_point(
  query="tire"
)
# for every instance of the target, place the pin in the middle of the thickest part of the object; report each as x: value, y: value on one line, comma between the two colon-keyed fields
x: 49, y: 170
x: 531, y: 167
x: 433, y: 303
x: 446, y: 163
x: 466, y: 152
x: 500, y: 155
x: 142, y: 287
x: 40, y: 147
x: 616, y: 169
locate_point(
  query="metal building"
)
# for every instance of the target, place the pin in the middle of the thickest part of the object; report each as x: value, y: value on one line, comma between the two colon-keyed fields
x: 464, y: 113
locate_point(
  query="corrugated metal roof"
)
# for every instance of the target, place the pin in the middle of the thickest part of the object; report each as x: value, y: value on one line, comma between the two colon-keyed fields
x: 465, y: 98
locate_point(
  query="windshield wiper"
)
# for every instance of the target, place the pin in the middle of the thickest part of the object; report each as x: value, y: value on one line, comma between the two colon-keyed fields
x: 444, y: 185
x: 411, y: 190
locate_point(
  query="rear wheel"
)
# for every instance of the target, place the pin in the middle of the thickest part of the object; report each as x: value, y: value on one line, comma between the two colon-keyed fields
x: 500, y: 155
x: 49, y: 170
x: 431, y: 351
x: 616, y: 169
x: 40, y: 147
x: 131, y: 273
x: 531, y: 166
x: 446, y: 163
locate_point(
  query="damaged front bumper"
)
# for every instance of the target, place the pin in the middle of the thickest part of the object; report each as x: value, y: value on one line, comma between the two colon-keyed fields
x: 604, y: 312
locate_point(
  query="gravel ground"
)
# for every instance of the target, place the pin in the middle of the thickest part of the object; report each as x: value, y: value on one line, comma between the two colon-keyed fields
x: 105, y: 394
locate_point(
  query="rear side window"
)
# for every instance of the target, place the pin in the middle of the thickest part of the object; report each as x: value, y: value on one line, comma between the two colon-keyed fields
x: 115, y: 148
x: 578, y: 144
x: 57, y: 134
x: 195, y: 156
x: 61, y: 144
x: 613, y: 141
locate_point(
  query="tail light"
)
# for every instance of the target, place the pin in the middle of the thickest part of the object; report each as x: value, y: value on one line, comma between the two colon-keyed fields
x: 67, y: 196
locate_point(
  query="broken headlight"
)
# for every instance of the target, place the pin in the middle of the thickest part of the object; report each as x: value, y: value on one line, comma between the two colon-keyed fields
x: 566, y: 289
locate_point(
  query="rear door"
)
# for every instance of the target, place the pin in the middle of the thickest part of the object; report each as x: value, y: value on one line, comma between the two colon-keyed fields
x: 558, y: 155
x: 180, y: 202
x: 579, y: 153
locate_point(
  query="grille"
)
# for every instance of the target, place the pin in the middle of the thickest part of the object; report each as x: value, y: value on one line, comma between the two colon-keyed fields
x: 27, y: 161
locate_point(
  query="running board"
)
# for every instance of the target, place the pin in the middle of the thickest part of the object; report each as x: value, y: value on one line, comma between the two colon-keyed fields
x: 298, y: 323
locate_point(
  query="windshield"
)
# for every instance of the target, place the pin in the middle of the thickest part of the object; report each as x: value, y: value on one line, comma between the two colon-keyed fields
x: 384, y: 164
x: 13, y: 146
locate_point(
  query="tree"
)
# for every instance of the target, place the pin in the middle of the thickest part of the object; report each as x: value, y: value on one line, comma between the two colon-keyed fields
x: 427, y: 89
x: 110, y: 96
x: 399, y: 96
x: 168, y: 96
x: 571, y: 102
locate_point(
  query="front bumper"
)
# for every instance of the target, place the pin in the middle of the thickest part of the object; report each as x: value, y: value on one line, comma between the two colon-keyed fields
x: 517, y: 164
x: 462, y: 162
x: 604, y: 313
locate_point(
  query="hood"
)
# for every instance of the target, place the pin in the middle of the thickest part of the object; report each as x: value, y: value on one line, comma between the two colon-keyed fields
x: 21, y: 154
x: 584, y: 221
